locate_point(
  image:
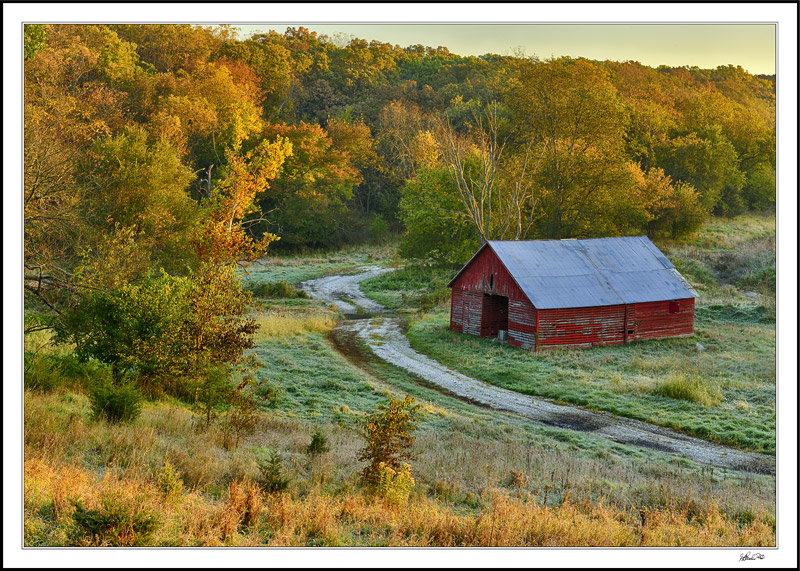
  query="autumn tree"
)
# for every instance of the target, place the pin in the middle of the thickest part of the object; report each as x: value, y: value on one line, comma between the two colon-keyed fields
x: 66, y: 106
x: 574, y: 115
x: 173, y: 47
x: 271, y: 64
x: 496, y: 188
x: 659, y: 206
x: 140, y: 183
x: 308, y: 201
x: 223, y: 237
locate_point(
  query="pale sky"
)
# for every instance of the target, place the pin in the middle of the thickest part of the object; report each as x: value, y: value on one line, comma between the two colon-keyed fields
x: 707, y: 46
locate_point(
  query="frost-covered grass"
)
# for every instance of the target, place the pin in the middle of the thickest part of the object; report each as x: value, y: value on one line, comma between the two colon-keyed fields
x: 666, y: 382
x: 298, y: 268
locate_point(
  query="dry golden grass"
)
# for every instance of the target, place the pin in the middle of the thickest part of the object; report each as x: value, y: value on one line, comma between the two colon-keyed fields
x: 244, y: 516
x: 285, y: 323
x: 458, y: 500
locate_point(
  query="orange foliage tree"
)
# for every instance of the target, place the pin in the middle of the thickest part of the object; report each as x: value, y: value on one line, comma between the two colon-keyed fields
x: 223, y: 237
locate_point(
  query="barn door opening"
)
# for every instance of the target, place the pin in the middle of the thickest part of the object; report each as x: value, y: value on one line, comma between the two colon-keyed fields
x: 494, y: 315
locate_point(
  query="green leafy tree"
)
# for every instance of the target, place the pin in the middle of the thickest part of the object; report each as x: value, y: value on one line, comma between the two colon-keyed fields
x: 388, y: 432
x: 34, y: 37
x: 573, y: 114
x: 759, y: 189
x: 432, y: 214
x: 141, y: 183
x: 710, y: 164
x: 308, y: 201
x: 166, y: 329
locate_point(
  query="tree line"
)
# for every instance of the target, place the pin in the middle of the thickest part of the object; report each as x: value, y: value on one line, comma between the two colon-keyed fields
x: 157, y: 157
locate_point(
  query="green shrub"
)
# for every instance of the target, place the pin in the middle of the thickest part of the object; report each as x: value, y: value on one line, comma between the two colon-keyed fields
x: 278, y: 289
x: 319, y: 443
x: 42, y: 372
x: 115, y: 402
x: 170, y: 483
x: 387, y: 431
x: 762, y: 280
x: 119, y: 522
x: 272, y: 478
x: 378, y: 230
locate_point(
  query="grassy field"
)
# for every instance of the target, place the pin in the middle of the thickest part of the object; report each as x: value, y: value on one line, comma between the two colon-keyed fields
x: 470, y: 465
x: 482, y: 477
x: 724, y: 393
x: 410, y: 288
x: 295, y: 269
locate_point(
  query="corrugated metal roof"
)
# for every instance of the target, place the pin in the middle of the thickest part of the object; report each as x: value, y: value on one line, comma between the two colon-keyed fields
x: 584, y: 273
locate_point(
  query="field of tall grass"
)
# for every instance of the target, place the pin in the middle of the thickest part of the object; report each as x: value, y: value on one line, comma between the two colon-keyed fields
x: 481, y: 477
x: 165, y: 480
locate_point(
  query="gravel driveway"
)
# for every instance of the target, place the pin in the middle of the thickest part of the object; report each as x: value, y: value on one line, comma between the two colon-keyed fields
x: 384, y: 337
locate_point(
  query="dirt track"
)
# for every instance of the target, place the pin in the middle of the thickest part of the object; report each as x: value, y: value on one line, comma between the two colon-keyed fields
x: 384, y: 337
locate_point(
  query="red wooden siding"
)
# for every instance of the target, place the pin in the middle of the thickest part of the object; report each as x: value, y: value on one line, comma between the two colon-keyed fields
x: 485, y: 298
x: 654, y: 319
x: 478, y: 277
x: 582, y: 326
x: 522, y: 323
x: 465, y: 312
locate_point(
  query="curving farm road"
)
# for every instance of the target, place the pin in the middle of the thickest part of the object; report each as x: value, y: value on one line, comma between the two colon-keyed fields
x: 384, y: 337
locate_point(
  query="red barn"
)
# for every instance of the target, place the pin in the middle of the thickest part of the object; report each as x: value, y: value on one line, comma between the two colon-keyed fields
x: 542, y: 293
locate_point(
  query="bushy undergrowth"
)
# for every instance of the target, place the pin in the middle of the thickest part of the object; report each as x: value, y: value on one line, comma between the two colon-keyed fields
x: 395, y: 486
x: 123, y: 513
x: 280, y: 289
x: 47, y: 371
x: 388, y: 431
x: 119, y: 521
x: 115, y: 402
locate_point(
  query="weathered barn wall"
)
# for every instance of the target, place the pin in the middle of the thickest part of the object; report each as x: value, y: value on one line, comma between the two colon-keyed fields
x: 486, y: 274
x: 654, y: 319
x: 465, y: 311
x: 584, y: 325
x: 477, y: 308
x: 522, y: 323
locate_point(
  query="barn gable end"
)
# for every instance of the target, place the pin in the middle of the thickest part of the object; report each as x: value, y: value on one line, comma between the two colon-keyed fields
x: 571, y: 292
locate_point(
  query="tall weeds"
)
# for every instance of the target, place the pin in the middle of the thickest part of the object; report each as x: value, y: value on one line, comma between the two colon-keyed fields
x: 128, y: 511
x: 281, y: 323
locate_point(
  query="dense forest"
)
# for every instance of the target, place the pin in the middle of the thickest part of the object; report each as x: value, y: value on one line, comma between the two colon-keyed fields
x: 158, y: 157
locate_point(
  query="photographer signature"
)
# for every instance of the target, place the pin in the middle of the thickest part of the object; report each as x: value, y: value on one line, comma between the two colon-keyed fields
x: 750, y: 557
